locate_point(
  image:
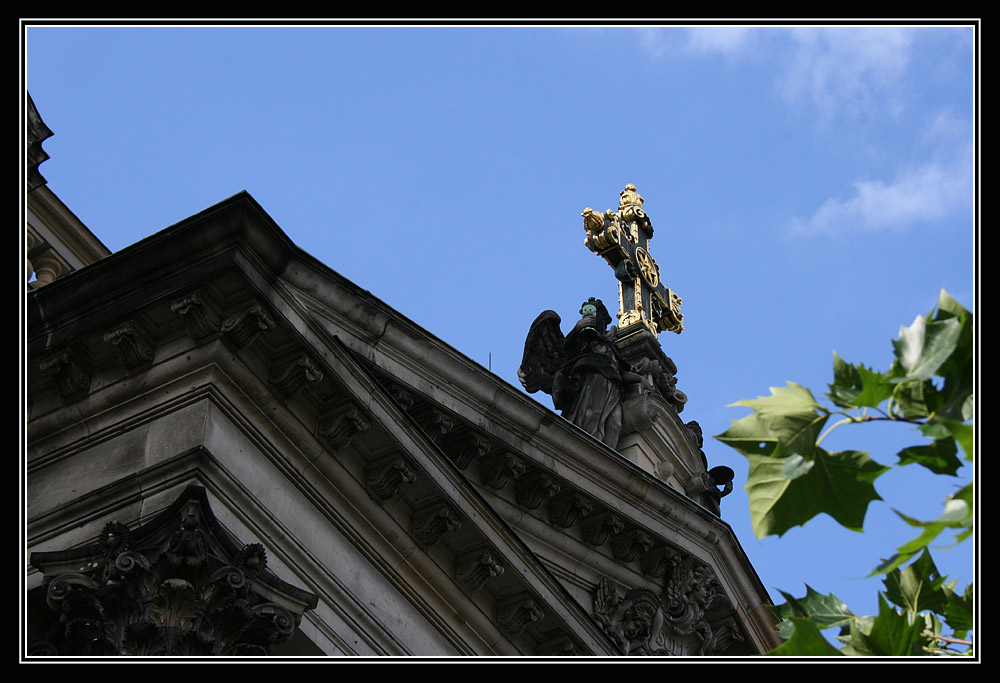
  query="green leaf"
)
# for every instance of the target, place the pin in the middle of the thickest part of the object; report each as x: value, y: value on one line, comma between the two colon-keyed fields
x: 958, y: 612
x: 957, y: 514
x: 939, y: 457
x: 839, y: 484
x: 915, y: 399
x: 925, y: 345
x: 826, y: 611
x: 857, y: 386
x: 805, y: 641
x: 891, y: 635
x: 918, y: 587
x: 789, y: 417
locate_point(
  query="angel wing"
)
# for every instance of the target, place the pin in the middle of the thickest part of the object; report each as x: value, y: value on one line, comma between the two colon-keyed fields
x: 543, y: 353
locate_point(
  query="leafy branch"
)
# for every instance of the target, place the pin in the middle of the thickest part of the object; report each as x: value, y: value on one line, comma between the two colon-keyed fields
x: 792, y: 479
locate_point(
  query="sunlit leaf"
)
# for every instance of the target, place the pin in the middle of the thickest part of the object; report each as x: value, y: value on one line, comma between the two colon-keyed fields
x: 790, y: 417
x: 925, y: 345
x: 839, y: 484
x: 917, y: 587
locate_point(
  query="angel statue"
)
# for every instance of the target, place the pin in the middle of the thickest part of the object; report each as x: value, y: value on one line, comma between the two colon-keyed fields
x: 583, y: 371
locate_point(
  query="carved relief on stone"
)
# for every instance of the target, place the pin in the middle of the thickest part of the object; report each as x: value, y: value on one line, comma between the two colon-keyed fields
x: 132, y: 343
x: 644, y: 622
x: 199, y: 319
x: 68, y: 369
x: 568, y: 506
x: 474, y: 569
x: 290, y: 375
x: 341, y: 426
x: 497, y: 469
x: 513, y: 614
x: 432, y: 522
x: 691, y: 591
x: 242, y: 328
x: 385, y: 475
x: 534, y: 488
x: 600, y: 526
x: 172, y: 593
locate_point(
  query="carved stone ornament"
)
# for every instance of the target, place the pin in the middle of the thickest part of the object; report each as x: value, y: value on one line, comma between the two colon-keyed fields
x: 437, y: 425
x: 514, y: 613
x: 600, y: 526
x: 68, y: 368
x: 432, y: 522
x: 476, y: 568
x: 385, y: 475
x: 474, y: 448
x: 178, y: 585
x: 497, y: 469
x: 241, y: 329
x: 199, y: 319
x: 132, y: 343
x: 341, y: 426
x: 290, y: 375
x: 535, y: 488
x: 644, y: 622
x: 630, y: 544
x: 568, y: 506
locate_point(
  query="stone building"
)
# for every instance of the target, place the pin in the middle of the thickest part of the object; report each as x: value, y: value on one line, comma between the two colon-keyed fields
x: 233, y: 450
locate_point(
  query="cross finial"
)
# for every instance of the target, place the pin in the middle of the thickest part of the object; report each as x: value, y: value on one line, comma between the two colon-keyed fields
x: 622, y: 238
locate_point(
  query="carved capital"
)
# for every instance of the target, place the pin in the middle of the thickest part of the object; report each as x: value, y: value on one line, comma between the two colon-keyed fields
x: 474, y: 569
x: 385, y: 475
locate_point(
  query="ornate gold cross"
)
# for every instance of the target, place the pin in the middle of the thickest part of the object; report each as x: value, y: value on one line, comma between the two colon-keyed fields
x: 622, y: 238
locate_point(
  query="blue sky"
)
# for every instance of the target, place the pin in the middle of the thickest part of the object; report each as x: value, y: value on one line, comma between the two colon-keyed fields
x: 811, y: 189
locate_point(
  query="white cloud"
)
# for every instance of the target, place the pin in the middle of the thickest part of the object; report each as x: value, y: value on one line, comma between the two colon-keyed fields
x: 727, y: 40
x: 835, y: 68
x: 923, y: 194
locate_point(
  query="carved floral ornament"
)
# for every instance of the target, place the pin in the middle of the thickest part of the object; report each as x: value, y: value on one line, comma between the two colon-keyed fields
x: 172, y: 587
